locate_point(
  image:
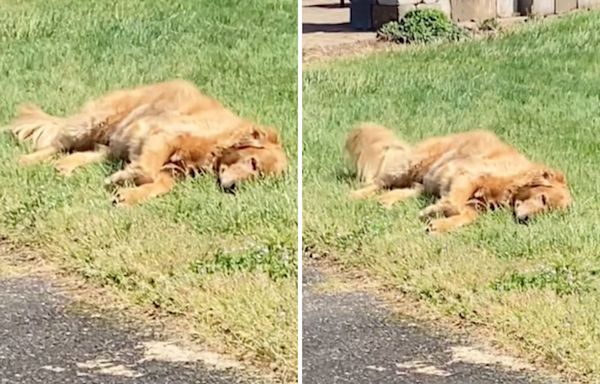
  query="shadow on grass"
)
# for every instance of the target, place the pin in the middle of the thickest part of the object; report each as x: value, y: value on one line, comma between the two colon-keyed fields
x: 345, y: 176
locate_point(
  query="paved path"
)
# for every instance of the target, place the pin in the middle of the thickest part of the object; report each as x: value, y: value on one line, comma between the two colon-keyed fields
x: 351, y: 338
x: 42, y: 341
x: 325, y: 25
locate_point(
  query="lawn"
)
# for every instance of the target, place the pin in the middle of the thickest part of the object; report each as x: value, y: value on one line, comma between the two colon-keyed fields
x: 227, y: 264
x: 535, y: 288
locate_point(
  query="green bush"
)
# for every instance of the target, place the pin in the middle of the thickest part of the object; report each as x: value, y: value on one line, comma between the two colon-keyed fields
x: 422, y: 26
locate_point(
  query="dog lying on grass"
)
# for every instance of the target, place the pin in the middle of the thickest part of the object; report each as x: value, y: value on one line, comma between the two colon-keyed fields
x: 469, y: 173
x: 162, y: 131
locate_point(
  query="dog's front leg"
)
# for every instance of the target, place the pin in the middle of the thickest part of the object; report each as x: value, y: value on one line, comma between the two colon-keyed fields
x: 162, y: 184
x: 132, y: 172
x: 155, y: 154
x: 453, y: 201
x: 394, y: 196
x: 442, y: 208
x: 464, y: 217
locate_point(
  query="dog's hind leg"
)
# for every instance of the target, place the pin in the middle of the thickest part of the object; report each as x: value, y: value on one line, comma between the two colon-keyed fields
x: 38, y: 156
x: 365, y: 192
x: 67, y: 164
x: 394, y: 196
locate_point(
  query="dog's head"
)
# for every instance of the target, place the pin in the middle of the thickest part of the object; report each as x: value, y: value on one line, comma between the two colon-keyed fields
x: 540, y: 191
x: 257, y: 154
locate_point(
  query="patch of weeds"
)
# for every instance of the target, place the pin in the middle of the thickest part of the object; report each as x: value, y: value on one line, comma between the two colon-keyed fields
x: 275, y: 260
x: 356, y: 237
x: 31, y: 209
x: 422, y: 26
x: 562, y: 279
x: 489, y: 25
x: 119, y: 277
x: 434, y: 295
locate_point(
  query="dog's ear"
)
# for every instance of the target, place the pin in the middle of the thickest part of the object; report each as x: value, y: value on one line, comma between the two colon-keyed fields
x: 258, y: 137
x: 273, y: 136
x: 265, y: 135
x: 253, y: 139
x: 554, y: 175
x: 545, y: 177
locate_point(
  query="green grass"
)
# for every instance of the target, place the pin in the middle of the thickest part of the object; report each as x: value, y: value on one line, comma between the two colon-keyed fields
x: 535, y: 288
x: 227, y: 264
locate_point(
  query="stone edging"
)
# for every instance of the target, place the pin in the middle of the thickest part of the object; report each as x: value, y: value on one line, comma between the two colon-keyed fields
x: 372, y: 14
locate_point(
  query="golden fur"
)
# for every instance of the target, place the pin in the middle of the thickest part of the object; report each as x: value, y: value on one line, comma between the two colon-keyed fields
x: 378, y: 154
x: 468, y: 172
x: 162, y: 131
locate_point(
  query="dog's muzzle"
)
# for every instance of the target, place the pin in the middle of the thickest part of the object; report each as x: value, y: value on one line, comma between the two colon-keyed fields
x: 228, y: 187
x: 522, y: 219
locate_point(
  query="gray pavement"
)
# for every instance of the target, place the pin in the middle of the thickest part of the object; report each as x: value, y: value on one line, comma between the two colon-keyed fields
x: 325, y: 24
x: 352, y: 338
x: 43, y: 340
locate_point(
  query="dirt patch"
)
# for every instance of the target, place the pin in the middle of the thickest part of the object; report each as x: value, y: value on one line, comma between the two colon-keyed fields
x: 348, y: 50
x: 489, y: 350
x: 471, y: 355
x: 423, y: 368
x: 175, y: 353
x: 90, y: 299
x: 106, y: 367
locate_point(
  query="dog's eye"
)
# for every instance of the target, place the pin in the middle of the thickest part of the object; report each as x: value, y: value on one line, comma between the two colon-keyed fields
x: 544, y: 199
x: 254, y: 163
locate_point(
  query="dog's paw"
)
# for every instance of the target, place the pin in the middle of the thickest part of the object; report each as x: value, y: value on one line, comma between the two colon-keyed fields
x: 118, y: 178
x: 439, y: 226
x: 124, y: 197
x: 438, y: 210
x: 429, y: 213
x: 64, y: 169
x: 356, y: 195
x: 386, y: 200
x: 27, y: 160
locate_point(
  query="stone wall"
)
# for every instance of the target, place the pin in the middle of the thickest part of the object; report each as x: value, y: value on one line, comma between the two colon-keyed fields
x: 383, y: 11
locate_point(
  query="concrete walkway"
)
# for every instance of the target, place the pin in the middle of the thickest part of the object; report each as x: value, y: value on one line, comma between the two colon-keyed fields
x: 325, y: 24
x: 42, y: 341
x: 352, y: 338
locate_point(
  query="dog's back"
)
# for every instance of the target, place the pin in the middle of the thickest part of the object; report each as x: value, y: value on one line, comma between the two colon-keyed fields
x: 377, y: 153
x: 100, y: 119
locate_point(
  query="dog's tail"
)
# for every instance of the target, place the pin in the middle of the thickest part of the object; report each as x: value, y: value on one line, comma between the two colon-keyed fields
x: 36, y: 126
x: 367, y: 145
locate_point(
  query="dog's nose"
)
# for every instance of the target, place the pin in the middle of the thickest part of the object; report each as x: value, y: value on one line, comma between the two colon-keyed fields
x: 522, y: 219
x: 228, y: 187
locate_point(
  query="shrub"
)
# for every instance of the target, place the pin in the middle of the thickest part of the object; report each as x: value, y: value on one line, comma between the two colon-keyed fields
x: 422, y: 26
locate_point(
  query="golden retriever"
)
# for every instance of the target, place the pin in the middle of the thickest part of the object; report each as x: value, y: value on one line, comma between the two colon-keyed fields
x: 162, y: 131
x: 468, y: 172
